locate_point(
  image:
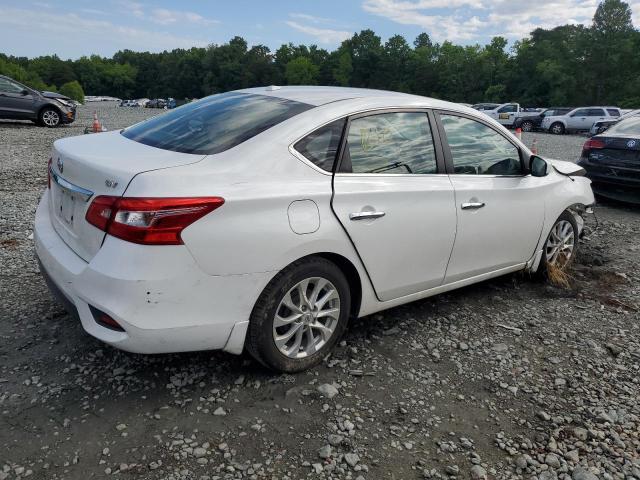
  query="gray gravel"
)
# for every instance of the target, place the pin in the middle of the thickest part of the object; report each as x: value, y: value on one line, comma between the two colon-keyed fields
x: 508, y: 379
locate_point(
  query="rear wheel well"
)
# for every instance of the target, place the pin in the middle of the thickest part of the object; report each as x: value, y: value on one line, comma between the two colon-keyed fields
x: 349, y: 270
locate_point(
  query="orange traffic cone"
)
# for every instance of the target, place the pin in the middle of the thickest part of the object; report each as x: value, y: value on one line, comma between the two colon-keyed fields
x: 519, y: 133
x: 96, y: 123
x: 534, y: 147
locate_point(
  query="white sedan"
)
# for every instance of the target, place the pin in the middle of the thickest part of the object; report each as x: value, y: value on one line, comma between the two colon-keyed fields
x: 266, y: 218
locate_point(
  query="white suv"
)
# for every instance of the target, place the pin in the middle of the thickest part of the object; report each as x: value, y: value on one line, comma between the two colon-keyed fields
x: 579, y: 119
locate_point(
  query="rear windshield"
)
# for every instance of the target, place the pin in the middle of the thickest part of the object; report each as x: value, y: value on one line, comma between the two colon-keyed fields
x: 214, y: 124
x: 629, y: 126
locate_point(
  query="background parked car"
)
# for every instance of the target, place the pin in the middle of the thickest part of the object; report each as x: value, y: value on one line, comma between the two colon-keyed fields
x: 20, y: 102
x: 156, y: 103
x: 602, y: 125
x: 508, y: 113
x: 612, y: 161
x: 579, y: 119
x: 534, y: 122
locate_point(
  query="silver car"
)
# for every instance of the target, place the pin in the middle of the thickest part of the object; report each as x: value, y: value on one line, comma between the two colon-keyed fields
x: 579, y: 119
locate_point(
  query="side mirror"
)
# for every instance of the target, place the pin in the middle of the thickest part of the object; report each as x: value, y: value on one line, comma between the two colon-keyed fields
x: 25, y: 92
x: 537, y: 166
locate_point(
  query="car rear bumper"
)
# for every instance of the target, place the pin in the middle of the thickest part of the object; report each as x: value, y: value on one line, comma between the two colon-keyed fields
x: 160, y: 297
x: 614, y: 182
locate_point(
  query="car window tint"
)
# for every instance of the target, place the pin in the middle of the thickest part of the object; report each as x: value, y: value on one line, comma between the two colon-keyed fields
x: 390, y: 143
x: 613, y: 112
x: 9, y: 87
x: 596, y: 112
x: 477, y: 149
x: 628, y: 126
x: 214, y: 124
x: 321, y: 146
x: 508, y: 109
x: 583, y: 112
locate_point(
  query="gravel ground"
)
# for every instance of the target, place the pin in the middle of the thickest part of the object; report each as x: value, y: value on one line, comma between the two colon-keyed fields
x: 508, y: 379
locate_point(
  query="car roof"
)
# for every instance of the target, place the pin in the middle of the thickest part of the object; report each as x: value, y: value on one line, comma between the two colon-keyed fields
x: 321, y: 95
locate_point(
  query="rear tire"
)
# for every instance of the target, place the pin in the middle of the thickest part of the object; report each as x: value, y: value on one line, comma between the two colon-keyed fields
x: 557, y: 128
x: 300, y: 316
x: 49, y: 117
x: 527, y: 126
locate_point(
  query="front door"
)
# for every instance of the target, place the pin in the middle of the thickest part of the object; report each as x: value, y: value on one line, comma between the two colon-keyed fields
x: 507, y: 114
x: 395, y: 201
x: 14, y: 103
x: 500, y: 209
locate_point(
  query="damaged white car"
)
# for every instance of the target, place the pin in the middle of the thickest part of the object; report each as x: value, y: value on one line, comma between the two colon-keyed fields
x: 266, y: 218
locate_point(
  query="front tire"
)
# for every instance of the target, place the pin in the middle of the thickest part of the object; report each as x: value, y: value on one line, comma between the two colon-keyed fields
x: 561, y: 245
x: 300, y: 316
x: 49, y: 117
x: 557, y: 128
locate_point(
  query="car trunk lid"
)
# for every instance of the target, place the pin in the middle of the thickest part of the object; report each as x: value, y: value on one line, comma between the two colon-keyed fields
x: 101, y: 164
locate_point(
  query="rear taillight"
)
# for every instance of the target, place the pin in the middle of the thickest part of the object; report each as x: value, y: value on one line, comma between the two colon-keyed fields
x: 49, y: 173
x: 149, y: 221
x: 593, y: 144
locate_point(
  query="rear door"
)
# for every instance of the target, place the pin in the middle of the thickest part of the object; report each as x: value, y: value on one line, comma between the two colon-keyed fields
x: 395, y: 201
x: 500, y: 208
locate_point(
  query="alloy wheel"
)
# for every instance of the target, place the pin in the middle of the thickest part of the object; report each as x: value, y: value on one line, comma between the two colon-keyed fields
x: 50, y: 118
x: 527, y: 127
x: 560, y: 244
x: 306, y: 317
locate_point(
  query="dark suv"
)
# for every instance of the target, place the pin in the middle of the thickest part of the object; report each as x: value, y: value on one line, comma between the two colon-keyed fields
x: 529, y: 124
x: 19, y: 102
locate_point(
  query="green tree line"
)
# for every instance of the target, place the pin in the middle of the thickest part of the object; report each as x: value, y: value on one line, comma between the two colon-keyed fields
x: 567, y: 65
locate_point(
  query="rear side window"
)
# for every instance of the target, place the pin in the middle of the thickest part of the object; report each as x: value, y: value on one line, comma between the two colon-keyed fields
x: 321, y: 146
x: 214, y: 124
x: 595, y: 112
x: 613, y: 112
x: 628, y: 126
x: 390, y: 143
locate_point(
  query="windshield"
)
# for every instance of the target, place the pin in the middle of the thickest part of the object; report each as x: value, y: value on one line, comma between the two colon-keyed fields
x: 629, y: 126
x: 214, y: 124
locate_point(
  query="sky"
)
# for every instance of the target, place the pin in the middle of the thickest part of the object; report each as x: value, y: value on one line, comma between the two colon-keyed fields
x: 73, y: 28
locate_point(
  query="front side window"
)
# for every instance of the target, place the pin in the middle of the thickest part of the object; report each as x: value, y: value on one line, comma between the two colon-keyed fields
x: 477, y: 149
x: 321, y: 146
x: 508, y: 109
x: 583, y: 112
x: 398, y: 143
x: 214, y: 124
x: 8, y: 86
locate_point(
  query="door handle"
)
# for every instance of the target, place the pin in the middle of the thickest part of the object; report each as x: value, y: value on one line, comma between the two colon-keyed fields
x: 365, y: 215
x: 472, y: 205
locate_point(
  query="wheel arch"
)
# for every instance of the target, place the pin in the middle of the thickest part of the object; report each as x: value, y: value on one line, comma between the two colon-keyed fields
x: 353, y: 277
x: 51, y: 106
